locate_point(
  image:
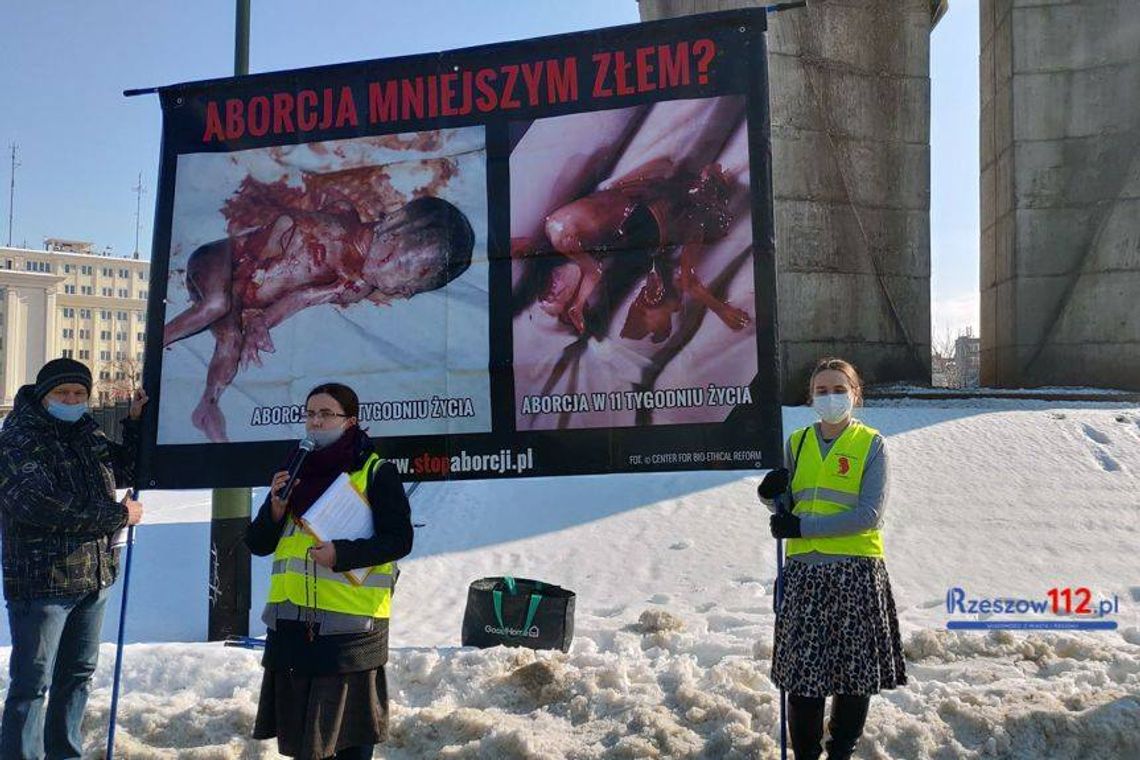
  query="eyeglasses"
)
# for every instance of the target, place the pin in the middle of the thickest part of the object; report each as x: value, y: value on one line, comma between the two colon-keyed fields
x: 324, y: 415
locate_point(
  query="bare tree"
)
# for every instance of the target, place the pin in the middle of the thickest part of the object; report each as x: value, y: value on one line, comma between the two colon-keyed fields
x: 126, y: 375
x: 943, y: 345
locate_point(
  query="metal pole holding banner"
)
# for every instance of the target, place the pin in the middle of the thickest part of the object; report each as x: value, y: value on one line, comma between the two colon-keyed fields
x: 119, y: 642
x: 779, y: 599
x: 230, y: 508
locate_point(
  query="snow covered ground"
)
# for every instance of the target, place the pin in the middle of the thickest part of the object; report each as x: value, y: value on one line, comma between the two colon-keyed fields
x: 674, y: 576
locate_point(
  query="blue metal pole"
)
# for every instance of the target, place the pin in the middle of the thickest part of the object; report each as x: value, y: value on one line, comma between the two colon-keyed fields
x: 119, y: 645
x: 779, y: 599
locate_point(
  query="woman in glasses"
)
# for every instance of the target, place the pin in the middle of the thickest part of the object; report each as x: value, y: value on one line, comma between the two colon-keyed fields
x: 324, y: 694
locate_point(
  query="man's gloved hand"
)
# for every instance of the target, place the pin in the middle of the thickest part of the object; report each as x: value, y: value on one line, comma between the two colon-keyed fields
x: 784, y: 525
x: 773, y: 484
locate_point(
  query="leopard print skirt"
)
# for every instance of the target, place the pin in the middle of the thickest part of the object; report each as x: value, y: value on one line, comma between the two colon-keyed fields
x: 837, y: 631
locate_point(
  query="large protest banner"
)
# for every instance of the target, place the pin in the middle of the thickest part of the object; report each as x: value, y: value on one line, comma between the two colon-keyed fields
x: 550, y: 256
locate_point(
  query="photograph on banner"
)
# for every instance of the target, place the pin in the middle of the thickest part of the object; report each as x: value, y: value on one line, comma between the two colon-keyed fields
x: 361, y: 260
x: 633, y: 279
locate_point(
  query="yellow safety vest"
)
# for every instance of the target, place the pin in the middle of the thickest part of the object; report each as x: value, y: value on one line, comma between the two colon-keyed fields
x: 298, y: 580
x: 828, y: 486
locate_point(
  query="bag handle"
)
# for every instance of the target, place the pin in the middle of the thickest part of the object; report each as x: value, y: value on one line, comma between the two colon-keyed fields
x: 497, y: 599
x: 796, y: 459
x: 512, y: 585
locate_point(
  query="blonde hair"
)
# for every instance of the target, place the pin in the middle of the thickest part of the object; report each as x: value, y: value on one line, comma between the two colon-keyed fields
x: 839, y: 365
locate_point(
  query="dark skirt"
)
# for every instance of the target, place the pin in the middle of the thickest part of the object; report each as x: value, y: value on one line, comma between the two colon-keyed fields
x: 315, y: 717
x: 837, y: 631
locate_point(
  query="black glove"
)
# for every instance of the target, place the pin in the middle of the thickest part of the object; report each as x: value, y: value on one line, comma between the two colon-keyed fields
x: 774, y: 483
x: 784, y: 525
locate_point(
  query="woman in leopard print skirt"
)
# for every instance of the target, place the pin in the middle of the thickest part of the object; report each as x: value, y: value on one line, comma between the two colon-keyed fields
x: 837, y: 632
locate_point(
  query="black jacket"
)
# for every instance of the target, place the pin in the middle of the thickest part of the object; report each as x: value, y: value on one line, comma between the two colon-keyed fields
x: 288, y: 647
x: 57, y: 501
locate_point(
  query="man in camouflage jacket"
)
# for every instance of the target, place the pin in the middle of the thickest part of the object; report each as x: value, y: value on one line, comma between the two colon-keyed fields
x: 58, y: 514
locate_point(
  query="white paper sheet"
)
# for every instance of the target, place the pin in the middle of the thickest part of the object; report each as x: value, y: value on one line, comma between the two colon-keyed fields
x: 341, y: 512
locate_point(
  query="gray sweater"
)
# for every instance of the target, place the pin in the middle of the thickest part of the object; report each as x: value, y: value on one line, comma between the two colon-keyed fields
x: 867, y: 514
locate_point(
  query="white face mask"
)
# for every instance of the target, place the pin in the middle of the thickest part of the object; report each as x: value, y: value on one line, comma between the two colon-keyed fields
x: 833, y: 407
x: 326, y: 437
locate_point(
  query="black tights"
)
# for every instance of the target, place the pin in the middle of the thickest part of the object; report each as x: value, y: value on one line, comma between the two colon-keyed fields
x: 355, y: 753
x: 805, y: 725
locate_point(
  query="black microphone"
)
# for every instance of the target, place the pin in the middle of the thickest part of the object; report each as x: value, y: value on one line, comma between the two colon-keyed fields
x: 303, y: 448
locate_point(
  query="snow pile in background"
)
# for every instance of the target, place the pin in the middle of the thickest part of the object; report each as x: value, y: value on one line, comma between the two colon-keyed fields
x: 674, y: 575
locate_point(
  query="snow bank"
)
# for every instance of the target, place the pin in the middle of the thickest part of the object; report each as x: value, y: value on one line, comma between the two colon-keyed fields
x: 674, y: 575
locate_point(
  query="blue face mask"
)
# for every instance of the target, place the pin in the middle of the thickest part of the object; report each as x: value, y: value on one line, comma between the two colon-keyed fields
x: 66, y: 412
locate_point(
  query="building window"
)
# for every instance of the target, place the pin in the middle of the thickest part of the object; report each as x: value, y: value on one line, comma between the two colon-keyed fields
x: 104, y: 374
x: 84, y: 334
x: 67, y: 354
x: 67, y: 268
x: 120, y: 355
x: 104, y: 335
x: 87, y: 290
x: 121, y: 337
x: 139, y: 316
x: 140, y: 337
x: 105, y: 314
x: 85, y: 314
x: 108, y: 272
x: 121, y: 316
x: 69, y: 290
x: 84, y: 354
x: 105, y: 356
x: 142, y: 294
x: 68, y: 333
x: 125, y: 274
x: 68, y: 313
x: 138, y: 356
x: 142, y: 274
x: 108, y: 292
x: 124, y: 293
x: 85, y: 269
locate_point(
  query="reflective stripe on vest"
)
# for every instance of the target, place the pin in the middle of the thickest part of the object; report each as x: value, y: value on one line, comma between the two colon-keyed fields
x: 828, y: 486
x: 298, y: 580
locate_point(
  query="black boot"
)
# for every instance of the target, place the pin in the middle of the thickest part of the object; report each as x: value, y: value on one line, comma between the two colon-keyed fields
x: 363, y: 752
x: 805, y: 726
x: 848, y: 714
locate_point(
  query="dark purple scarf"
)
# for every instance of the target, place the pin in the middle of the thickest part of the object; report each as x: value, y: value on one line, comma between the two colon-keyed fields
x: 322, y: 467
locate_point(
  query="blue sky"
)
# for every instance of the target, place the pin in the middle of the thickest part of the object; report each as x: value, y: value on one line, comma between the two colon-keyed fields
x: 81, y: 145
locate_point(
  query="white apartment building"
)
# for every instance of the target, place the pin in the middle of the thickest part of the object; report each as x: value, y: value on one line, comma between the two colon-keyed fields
x: 68, y: 300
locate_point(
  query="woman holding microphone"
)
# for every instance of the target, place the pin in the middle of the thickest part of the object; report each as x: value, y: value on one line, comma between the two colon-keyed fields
x: 324, y: 693
x: 837, y: 631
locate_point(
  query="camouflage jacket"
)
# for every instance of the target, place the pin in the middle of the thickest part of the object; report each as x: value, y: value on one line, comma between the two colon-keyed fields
x: 57, y: 501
